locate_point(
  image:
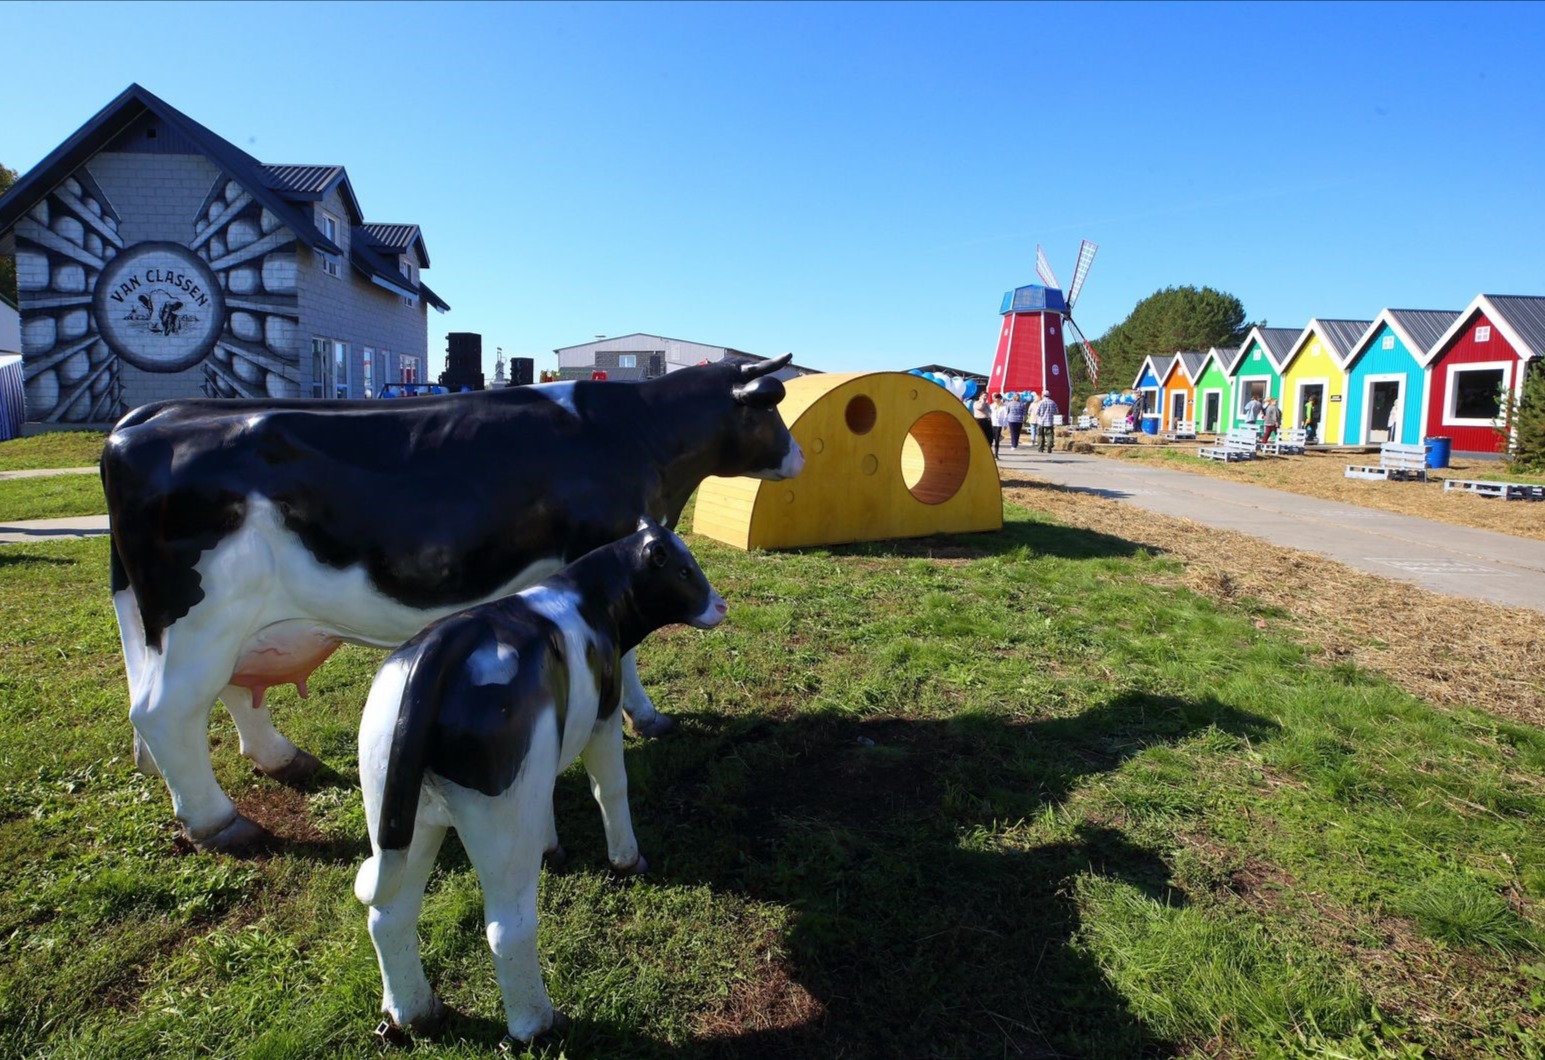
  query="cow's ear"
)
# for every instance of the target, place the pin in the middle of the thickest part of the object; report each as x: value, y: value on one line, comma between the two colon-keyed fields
x: 762, y: 393
x: 658, y: 554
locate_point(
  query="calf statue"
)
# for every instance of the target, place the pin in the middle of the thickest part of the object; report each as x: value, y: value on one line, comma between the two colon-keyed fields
x: 251, y: 538
x: 468, y: 726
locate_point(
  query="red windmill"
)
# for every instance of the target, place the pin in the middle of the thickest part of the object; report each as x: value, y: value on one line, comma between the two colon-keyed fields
x: 1032, y: 348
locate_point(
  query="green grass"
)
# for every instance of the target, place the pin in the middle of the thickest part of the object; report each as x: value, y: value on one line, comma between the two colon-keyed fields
x: 54, y: 449
x: 1025, y: 802
x: 51, y: 497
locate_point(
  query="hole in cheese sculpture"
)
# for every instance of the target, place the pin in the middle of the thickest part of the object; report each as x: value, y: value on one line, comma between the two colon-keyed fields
x: 887, y: 455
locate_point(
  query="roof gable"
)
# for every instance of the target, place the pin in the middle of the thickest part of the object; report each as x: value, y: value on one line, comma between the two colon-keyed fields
x: 1191, y: 364
x: 1520, y: 318
x: 111, y: 121
x: 398, y: 239
x: 1277, y: 342
x: 1339, y: 338
x: 1417, y: 329
x: 1224, y: 357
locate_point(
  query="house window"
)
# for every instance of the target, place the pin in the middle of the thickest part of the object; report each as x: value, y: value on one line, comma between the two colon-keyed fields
x: 1475, y: 394
x: 627, y: 360
x: 1388, y: 343
x: 327, y: 264
x: 341, y: 370
x: 407, y: 267
x: 330, y: 226
x: 367, y: 372
x: 319, y: 367
x: 1483, y: 333
x: 409, y: 369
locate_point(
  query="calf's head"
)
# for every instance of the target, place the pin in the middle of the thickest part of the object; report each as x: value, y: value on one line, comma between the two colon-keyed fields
x: 668, y: 585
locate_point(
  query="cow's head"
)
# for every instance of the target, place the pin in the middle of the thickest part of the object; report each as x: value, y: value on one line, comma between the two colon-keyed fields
x: 761, y: 446
x: 668, y: 585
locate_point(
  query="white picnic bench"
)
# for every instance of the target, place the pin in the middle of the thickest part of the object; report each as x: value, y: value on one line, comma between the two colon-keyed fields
x: 1286, y: 442
x: 1508, y: 491
x: 1397, y: 462
x: 1238, y: 444
x: 1087, y: 423
x: 1117, y: 434
x: 1184, y: 430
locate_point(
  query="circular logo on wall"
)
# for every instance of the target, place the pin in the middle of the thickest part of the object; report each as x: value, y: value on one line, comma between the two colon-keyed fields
x: 159, y: 307
x: 1056, y: 369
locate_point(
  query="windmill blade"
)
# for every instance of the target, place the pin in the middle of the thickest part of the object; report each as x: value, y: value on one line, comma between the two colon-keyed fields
x: 1086, y: 253
x: 1091, y: 359
x: 1043, y: 269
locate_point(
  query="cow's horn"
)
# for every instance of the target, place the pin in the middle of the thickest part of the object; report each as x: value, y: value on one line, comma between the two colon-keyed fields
x: 761, y: 368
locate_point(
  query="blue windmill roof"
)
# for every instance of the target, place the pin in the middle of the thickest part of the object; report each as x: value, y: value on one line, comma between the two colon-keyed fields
x: 1032, y: 298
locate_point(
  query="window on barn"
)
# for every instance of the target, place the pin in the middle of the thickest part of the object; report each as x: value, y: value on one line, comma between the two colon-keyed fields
x: 1483, y: 333
x: 627, y: 360
x: 1389, y: 342
x: 1475, y: 394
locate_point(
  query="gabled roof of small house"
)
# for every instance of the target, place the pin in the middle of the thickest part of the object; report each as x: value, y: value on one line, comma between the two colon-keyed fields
x: 378, y: 263
x: 1339, y: 336
x: 1418, y: 329
x: 1155, y: 363
x: 1520, y: 318
x: 1191, y: 363
x: 114, y: 119
x: 398, y: 238
x: 1226, y: 356
x: 1277, y: 342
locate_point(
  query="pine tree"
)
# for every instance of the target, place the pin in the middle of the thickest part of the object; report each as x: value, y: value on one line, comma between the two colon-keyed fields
x: 1526, y: 416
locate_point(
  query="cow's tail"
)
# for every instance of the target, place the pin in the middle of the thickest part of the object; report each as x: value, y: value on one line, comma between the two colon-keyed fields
x: 440, y: 656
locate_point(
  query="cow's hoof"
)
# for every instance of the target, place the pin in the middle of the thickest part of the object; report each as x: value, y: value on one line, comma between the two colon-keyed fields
x: 297, y: 772
x: 638, y: 868
x: 241, y: 836
x: 556, y: 859
x: 511, y: 1044
x: 391, y: 1033
x: 655, y: 725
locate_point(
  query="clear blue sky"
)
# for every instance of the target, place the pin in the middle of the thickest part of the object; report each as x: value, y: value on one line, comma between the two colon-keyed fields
x: 859, y: 184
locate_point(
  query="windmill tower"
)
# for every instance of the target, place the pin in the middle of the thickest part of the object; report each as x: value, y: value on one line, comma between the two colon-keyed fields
x: 1032, y: 343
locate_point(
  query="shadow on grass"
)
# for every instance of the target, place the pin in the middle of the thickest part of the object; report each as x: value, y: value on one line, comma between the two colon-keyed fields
x: 10, y: 558
x: 909, y: 937
x: 1045, y: 539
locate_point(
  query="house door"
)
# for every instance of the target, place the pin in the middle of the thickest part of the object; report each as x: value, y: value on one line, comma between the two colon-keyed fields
x: 1212, y: 403
x: 1311, y: 408
x: 1177, y: 408
x: 1383, y: 400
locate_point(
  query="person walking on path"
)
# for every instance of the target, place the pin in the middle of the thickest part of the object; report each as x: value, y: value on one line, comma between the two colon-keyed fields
x: 1252, y: 410
x: 981, y: 411
x: 1014, y: 416
x: 1272, y: 417
x: 999, y: 418
x: 1045, y: 417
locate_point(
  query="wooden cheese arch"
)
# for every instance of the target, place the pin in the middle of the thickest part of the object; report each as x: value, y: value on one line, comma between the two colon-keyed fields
x: 887, y: 455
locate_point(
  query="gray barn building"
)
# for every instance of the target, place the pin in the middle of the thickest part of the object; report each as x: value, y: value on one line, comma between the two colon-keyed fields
x: 157, y: 260
x: 642, y: 356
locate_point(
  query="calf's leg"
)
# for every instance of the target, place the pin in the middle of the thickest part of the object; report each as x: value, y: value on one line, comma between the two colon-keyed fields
x: 646, y: 721
x: 609, y: 784
x: 406, y: 996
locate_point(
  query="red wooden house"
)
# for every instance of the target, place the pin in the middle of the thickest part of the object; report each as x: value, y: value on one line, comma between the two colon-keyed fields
x: 1477, y: 364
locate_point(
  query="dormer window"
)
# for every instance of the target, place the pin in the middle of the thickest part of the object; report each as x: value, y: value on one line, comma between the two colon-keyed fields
x: 330, y: 226
x: 407, y: 267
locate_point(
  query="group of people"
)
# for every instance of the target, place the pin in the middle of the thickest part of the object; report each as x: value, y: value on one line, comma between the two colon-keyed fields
x: 1268, y: 414
x: 993, y: 413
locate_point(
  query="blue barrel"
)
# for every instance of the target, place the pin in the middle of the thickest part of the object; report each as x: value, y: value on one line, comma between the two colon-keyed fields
x: 1150, y: 425
x: 1438, y: 451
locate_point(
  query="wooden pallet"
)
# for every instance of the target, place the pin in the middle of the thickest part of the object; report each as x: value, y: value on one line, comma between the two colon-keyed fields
x: 1508, y: 491
x: 1397, y: 463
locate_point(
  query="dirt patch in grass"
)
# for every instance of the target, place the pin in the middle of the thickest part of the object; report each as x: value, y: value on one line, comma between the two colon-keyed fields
x: 1443, y: 649
x: 1323, y: 475
x: 770, y: 1003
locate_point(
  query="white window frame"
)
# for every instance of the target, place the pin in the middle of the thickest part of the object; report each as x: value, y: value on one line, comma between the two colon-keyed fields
x: 1483, y: 333
x: 627, y: 360
x: 340, y: 390
x: 321, y: 366
x: 328, y: 264
x: 1298, y: 402
x: 367, y: 374
x: 407, y: 367
x: 1451, y: 392
x: 1400, y: 378
x: 1169, y: 405
x: 330, y: 226
x: 1202, y: 396
x: 1387, y: 342
x: 1243, y: 392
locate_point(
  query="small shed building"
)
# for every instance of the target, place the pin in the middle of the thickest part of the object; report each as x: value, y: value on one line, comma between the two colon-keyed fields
x: 1257, y: 372
x: 1477, y: 364
x: 1385, y: 379
x: 1214, y: 397
x: 1315, y: 371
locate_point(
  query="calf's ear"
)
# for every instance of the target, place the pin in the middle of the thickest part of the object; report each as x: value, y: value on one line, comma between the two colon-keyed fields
x: 761, y: 393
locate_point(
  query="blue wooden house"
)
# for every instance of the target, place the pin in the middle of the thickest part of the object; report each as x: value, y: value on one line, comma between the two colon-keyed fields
x: 1385, y: 376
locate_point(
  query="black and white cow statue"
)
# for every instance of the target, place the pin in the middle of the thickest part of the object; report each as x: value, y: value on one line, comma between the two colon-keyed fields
x: 468, y: 726
x: 251, y: 538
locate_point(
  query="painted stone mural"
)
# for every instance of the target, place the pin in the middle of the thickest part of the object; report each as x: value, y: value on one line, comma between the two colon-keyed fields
x: 208, y: 307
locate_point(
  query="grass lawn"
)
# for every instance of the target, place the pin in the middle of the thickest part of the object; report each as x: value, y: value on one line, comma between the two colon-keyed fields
x: 51, y: 497
x: 55, y: 449
x: 1014, y: 794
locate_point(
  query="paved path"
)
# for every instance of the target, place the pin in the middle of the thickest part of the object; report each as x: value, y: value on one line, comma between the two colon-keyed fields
x: 46, y: 471
x: 1449, y: 559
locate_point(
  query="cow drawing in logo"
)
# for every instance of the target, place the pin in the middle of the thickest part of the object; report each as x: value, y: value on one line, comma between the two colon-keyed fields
x: 161, y: 313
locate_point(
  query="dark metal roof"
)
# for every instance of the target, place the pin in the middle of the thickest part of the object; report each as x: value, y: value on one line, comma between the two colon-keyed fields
x: 1278, y: 342
x: 432, y: 298
x: 302, y: 180
x: 1227, y: 356
x: 398, y: 238
x: 1422, y: 328
x: 1341, y: 336
x: 101, y: 129
x: 1191, y: 362
x: 1525, y: 315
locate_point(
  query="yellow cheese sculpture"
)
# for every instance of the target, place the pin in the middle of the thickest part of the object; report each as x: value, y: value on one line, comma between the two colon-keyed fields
x: 887, y: 455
